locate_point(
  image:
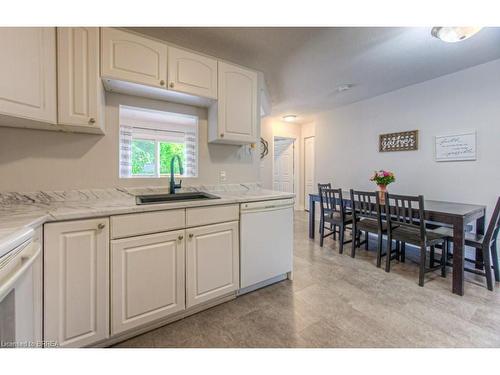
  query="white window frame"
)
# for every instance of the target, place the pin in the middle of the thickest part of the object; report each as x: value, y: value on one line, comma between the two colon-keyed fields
x: 140, y: 129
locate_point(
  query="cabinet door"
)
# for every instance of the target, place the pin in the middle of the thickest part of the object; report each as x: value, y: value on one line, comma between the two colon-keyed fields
x: 237, y: 105
x: 28, y: 73
x: 80, y: 92
x: 212, y: 262
x: 192, y: 73
x: 76, y: 286
x: 129, y: 57
x: 147, y: 279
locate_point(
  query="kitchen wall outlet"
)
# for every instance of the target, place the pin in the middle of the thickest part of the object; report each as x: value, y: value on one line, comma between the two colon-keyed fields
x: 222, y: 176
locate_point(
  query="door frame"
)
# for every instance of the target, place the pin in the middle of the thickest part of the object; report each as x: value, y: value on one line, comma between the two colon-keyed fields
x: 304, y: 169
x: 295, y: 178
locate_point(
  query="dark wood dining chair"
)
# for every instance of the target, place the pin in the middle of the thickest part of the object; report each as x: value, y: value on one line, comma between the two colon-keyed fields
x: 406, y: 223
x: 367, y: 218
x: 486, y: 243
x: 321, y: 223
x: 333, y: 207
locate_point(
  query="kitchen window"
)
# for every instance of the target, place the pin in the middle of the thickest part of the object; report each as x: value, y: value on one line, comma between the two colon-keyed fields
x: 149, y: 139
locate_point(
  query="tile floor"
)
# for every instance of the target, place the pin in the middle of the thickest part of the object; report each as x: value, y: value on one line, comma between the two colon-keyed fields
x: 337, y: 301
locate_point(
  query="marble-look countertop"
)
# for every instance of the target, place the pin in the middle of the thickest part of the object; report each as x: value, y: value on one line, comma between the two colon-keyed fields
x: 20, y: 212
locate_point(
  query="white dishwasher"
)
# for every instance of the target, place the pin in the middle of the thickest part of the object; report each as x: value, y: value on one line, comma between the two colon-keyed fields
x: 266, y: 243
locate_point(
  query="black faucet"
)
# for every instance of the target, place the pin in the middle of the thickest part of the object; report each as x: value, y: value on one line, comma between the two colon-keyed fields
x: 173, y: 185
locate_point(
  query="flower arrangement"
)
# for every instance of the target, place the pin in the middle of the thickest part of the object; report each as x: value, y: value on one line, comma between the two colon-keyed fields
x: 383, y: 178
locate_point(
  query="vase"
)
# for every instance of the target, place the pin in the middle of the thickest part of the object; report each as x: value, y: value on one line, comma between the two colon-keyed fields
x: 382, y: 189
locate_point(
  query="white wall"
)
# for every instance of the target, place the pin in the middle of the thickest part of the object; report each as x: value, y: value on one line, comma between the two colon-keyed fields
x: 347, y: 138
x: 36, y: 160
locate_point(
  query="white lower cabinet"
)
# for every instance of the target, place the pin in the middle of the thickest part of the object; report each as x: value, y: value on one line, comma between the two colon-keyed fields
x: 147, y: 279
x: 212, y: 262
x: 97, y: 289
x: 76, y: 282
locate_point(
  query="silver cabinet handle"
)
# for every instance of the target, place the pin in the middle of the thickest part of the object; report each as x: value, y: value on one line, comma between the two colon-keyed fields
x: 101, y: 226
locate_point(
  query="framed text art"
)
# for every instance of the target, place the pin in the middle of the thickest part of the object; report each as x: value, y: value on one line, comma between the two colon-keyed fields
x: 456, y: 146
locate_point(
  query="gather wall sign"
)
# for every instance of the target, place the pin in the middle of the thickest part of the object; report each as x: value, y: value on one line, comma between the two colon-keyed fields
x: 400, y: 141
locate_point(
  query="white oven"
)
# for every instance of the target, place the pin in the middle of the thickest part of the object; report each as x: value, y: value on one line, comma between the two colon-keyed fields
x: 21, y: 292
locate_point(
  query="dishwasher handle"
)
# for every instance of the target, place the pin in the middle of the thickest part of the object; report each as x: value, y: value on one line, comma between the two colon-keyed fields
x: 27, y: 257
x: 278, y: 204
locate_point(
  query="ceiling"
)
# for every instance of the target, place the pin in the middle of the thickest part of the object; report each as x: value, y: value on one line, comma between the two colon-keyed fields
x: 304, y: 66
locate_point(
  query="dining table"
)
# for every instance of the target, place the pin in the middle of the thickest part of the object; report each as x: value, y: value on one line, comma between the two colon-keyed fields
x: 452, y: 214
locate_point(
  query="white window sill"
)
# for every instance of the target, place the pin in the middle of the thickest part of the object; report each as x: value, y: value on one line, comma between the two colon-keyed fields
x: 156, y: 177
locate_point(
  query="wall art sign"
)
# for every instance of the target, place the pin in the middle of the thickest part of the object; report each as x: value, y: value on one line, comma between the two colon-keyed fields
x: 456, y: 146
x: 401, y: 141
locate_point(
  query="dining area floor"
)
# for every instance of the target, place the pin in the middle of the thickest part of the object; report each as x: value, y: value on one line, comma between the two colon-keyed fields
x: 337, y: 301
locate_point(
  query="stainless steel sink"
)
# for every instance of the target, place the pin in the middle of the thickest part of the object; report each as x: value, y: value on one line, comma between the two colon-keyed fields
x: 177, y: 197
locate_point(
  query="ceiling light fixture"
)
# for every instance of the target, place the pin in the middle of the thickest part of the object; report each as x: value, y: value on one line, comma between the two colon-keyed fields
x: 454, y: 33
x: 289, y: 118
x: 344, y: 87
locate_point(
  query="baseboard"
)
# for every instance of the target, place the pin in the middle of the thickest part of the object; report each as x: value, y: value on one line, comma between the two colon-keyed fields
x: 264, y: 283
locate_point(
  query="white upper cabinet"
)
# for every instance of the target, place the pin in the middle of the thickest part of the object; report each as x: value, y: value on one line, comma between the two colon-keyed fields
x: 147, y: 279
x: 192, y: 73
x: 28, y: 75
x: 129, y: 57
x: 76, y: 282
x: 80, y: 92
x: 234, y: 120
x: 212, y: 262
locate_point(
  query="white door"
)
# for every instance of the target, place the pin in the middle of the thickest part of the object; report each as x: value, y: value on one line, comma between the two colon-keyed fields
x: 80, y: 92
x: 212, y: 262
x: 192, y: 73
x: 147, y: 279
x: 283, y: 167
x: 133, y: 58
x: 28, y: 73
x: 76, y: 287
x: 308, y: 170
x: 237, y: 104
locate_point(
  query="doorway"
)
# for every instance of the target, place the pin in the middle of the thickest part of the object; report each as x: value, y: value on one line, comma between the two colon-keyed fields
x: 284, y: 164
x: 308, y: 170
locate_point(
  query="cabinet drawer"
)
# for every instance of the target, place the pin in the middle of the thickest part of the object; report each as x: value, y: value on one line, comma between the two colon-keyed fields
x: 212, y: 214
x: 148, y: 222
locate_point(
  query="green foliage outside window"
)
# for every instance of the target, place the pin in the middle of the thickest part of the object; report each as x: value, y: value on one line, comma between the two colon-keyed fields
x: 144, y: 157
x: 167, y: 152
